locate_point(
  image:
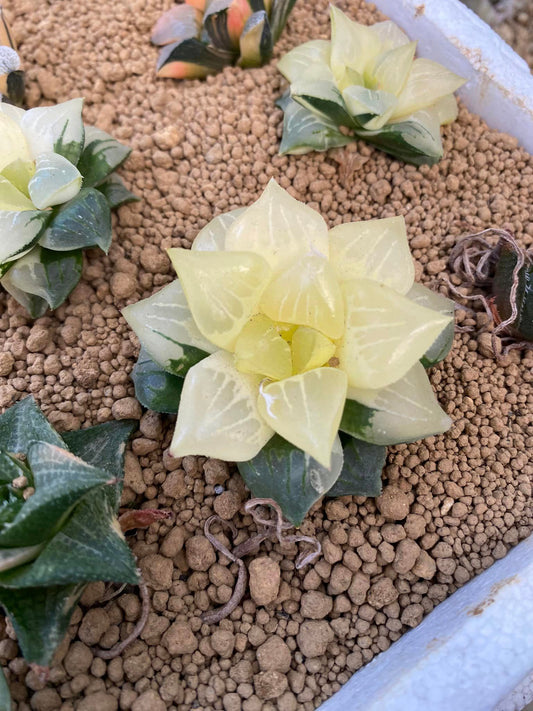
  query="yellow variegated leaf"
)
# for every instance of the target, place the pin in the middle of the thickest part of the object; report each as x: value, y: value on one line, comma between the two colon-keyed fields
x: 373, y: 249
x: 310, y: 349
x: 352, y: 45
x: 389, y: 34
x: 223, y: 290
x: 307, y: 294
x: 279, y: 229
x: 392, y: 68
x: 385, y: 335
x: 11, y: 198
x: 261, y: 350
x: 218, y: 415
x: 212, y: 238
x: 12, y: 142
x: 306, y: 410
x: 309, y: 60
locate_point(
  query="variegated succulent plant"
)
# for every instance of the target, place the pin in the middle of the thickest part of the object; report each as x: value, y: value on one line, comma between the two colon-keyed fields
x: 57, y: 189
x: 366, y: 83
x: 201, y: 37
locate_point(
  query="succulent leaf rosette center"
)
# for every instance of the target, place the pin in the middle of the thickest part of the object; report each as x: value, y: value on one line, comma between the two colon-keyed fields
x: 277, y: 322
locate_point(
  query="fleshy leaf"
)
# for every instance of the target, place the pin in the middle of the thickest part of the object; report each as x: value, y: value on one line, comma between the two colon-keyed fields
x: 310, y: 349
x: 306, y: 409
x: 41, y: 617
x: 255, y: 43
x: 322, y: 97
x: 55, y: 129
x: 191, y: 59
x: 179, y: 23
x: 389, y: 34
x: 15, y: 557
x: 20, y: 231
x: 11, y: 198
x: 61, y: 480
x: 278, y: 13
x: 101, y: 156
x: 12, y: 142
x: 262, y: 351
x: 370, y: 109
x: 115, y: 192
x: 352, y: 44
x: 373, y: 249
x: 279, y: 229
x: 522, y: 325
x: 304, y: 131
x: 55, y: 181
x: 308, y: 61
x: 23, y: 423
x: 19, y: 173
x: 218, y: 415
x: 405, y: 411
x: 165, y: 327
x: 440, y: 348
x: 361, y: 470
x: 428, y: 81
x: 224, y: 21
x: 386, y: 334
x: 393, y: 67
x: 155, y: 387
x: 222, y: 289
x: 43, y: 278
x: 212, y: 238
x: 282, y: 472
x: 85, y: 221
x: 306, y: 294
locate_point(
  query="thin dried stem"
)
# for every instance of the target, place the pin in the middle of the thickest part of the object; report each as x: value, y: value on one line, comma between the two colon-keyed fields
x: 136, y: 631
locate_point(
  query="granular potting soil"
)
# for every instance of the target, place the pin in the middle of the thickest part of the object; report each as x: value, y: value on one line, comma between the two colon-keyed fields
x: 451, y: 505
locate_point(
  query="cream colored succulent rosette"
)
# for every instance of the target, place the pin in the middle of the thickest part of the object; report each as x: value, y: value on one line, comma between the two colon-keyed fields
x: 281, y: 326
x: 367, y: 80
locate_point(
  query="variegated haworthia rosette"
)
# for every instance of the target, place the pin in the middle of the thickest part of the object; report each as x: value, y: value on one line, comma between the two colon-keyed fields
x: 278, y: 334
x: 59, y: 496
x: 57, y: 189
x: 366, y: 83
x: 201, y: 37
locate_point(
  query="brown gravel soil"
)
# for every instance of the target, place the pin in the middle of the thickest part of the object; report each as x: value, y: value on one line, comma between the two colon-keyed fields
x: 517, y: 31
x: 451, y: 505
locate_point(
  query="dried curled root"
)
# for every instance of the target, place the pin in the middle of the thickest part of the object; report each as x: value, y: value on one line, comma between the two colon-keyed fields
x: 266, y: 528
x: 506, y: 271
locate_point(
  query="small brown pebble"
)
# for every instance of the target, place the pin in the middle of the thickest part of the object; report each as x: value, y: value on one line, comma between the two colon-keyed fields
x: 359, y: 587
x: 200, y: 553
x: 274, y: 655
x: 265, y: 577
x: 180, y: 639
x: 393, y: 503
x: 148, y: 701
x: 156, y: 571
x: 412, y: 615
x: 173, y: 542
x: 227, y: 504
x: 6, y: 363
x: 382, y: 593
x: 99, y: 700
x: 270, y: 684
x: 407, y: 552
x: 314, y: 637
x: 425, y: 567
x: 223, y: 643
x: 126, y: 408
x: 315, y: 605
x: 123, y: 285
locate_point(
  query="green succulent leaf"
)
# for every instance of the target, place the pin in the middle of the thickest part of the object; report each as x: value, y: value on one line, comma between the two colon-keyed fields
x: 522, y: 326
x: 61, y: 480
x: 405, y: 411
x: 291, y: 477
x: 24, y: 423
x: 103, y: 446
x: 216, y: 24
x: 256, y: 41
x: 156, y: 388
x: 444, y: 341
x: 20, y: 231
x: 115, y: 192
x: 279, y: 14
x: 191, y: 59
x: 10, y: 468
x: 101, y: 156
x: 5, y: 696
x: 361, y: 470
x: 323, y: 98
x: 304, y: 131
x: 14, y: 557
x: 84, y: 221
x: 41, y: 617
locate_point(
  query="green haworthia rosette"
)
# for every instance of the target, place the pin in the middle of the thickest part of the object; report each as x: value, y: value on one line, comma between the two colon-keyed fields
x: 367, y: 82
x: 64, y: 533
x: 57, y: 189
x: 278, y: 334
x: 201, y: 37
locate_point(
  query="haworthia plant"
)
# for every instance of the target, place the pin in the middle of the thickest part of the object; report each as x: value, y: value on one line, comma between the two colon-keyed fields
x: 58, y: 528
x: 201, y: 37
x: 57, y: 190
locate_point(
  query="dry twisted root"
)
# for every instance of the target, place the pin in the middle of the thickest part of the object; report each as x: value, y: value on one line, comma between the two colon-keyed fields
x: 266, y: 528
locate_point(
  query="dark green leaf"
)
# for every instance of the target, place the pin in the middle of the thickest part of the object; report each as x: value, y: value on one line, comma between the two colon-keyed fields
x: 256, y: 41
x: 357, y: 419
x: 522, y: 326
x: 323, y: 98
x: 440, y: 348
x: 191, y: 356
x: 10, y: 505
x: 41, y: 617
x: 88, y: 547
x: 191, y: 58
x: 103, y: 446
x: 5, y: 696
x: 62, y: 272
x: 10, y: 468
x: 288, y: 475
x: 116, y: 193
x: 70, y: 150
x: 409, y: 141
x: 216, y: 24
x: 84, y: 221
x: 24, y: 423
x: 101, y: 157
x: 155, y: 388
x: 279, y: 14
x: 61, y: 480
x: 305, y: 131
x: 361, y: 471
